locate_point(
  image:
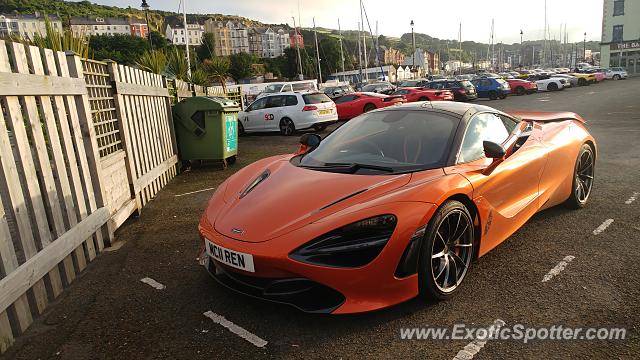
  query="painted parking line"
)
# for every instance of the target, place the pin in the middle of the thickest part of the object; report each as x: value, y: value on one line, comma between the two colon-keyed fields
x: 602, y: 226
x: 195, y: 192
x: 474, y: 347
x: 154, y: 284
x: 632, y: 198
x: 219, y: 319
x: 558, y: 268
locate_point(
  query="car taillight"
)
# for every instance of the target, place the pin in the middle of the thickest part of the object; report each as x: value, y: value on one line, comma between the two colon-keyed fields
x: 309, y: 108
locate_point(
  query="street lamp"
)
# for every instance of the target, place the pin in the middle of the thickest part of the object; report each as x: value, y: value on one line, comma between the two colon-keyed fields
x: 584, y: 48
x: 145, y: 7
x: 521, y: 33
x: 413, y: 42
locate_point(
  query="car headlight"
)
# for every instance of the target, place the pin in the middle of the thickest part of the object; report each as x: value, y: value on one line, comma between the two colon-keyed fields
x: 352, y: 245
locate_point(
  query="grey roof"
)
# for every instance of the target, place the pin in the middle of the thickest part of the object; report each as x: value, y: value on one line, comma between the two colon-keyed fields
x: 36, y: 16
x: 97, y: 20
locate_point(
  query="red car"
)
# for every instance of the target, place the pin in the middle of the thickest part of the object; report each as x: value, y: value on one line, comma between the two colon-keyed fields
x: 423, y: 94
x: 521, y: 87
x: 354, y: 104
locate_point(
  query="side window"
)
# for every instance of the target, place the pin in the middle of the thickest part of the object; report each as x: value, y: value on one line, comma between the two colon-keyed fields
x: 345, y: 98
x: 258, y: 104
x: 291, y: 100
x: 482, y: 127
x: 275, y: 101
x: 509, y: 123
x: 402, y: 92
x: 287, y: 88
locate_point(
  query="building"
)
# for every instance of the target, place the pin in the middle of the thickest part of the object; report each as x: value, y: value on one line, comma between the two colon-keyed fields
x: 139, y: 28
x: 27, y: 25
x: 391, y: 56
x: 268, y: 42
x: 221, y: 36
x: 295, y: 38
x: 620, y: 45
x: 90, y: 26
x: 426, y: 62
x: 372, y: 73
x: 239, y: 37
x: 177, y: 35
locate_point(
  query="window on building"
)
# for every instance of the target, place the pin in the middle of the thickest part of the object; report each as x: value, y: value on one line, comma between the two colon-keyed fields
x: 618, y: 7
x: 617, y: 33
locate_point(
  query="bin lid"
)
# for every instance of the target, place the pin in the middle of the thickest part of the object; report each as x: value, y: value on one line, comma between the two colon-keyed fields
x: 208, y: 103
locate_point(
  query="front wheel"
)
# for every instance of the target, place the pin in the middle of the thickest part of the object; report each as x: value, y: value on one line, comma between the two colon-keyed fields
x: 552, y: 87
x: 493, y: 95
x: 446, y: 252
x: 503, y: 96
x: 287, y: 127
x: 424, y: 98
x: 369, y: 107
x: 583, y: 174
x: 616, y: 77
x: 520, y: 90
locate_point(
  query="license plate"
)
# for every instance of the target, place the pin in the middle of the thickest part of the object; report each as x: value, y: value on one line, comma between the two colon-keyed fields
x: 324, y: 112
x: 232, y: 258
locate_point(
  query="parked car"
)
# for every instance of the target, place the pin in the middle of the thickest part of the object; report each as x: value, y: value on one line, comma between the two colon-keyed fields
x: 545, y: 83
x: 337, y: 91
x: 599, y: 74
x: 412, y: 94
x: 571, y: 80
x: 462, y: 90
x: 506, y: 75
x: 584, y: 79
x: 352, y: 105
x: 492, y: 88
x: 288, y: 112
x: 414, y: 83
x: 287, y: 87
x: 521, y: 87
x: 616, y: 73
x: 380, y: 88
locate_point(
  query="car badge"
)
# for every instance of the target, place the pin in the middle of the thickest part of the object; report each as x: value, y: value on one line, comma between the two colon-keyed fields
x: 237, y: 231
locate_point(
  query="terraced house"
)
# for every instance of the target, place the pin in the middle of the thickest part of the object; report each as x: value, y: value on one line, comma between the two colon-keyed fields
x: 266, y: 42
x: 230, y: 37
x: 27, y: 25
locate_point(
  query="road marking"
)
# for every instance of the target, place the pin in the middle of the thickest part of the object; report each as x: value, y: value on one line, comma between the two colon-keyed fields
x: 195, y: 192
x: 154, y: 284
x: 558, y: 268
x: 219, y: 319
x: 632, y: 198
x: 602, y: 226
x: 474, y: 347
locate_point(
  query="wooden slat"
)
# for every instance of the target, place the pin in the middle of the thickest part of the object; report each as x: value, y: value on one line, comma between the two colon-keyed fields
x: 124, y: 88
x: 16, y: 283
x: 150, y: 176
x: 8, y: 263
x: 24, y: 85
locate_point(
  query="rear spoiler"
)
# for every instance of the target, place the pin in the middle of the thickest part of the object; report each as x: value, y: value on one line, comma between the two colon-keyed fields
x: 541, y: 116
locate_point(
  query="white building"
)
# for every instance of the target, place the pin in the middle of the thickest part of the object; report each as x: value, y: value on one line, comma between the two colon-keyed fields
x: 620, y: 45
x: 239, y: 36
x: 27, y: 25
x: 90, y: 26
x: 177, y: 35
x: 267, y: 42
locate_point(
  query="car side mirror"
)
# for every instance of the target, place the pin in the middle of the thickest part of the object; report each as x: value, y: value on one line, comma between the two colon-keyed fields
x: 308, y: 142
x: 493, y: 150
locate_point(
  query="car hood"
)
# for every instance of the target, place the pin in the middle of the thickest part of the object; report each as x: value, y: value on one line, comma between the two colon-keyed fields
x: 291, y: 197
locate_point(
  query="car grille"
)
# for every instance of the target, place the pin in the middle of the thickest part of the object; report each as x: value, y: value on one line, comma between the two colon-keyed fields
x: 304, y: 294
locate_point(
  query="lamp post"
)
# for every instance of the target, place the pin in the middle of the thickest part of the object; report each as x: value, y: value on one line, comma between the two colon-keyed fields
x: 584, y: 48
x: 145, y: 7
x: 413, y: 42
x: 521, y: 33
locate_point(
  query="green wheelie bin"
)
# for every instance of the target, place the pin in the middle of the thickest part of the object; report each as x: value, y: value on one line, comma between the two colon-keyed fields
x: 207, y: 128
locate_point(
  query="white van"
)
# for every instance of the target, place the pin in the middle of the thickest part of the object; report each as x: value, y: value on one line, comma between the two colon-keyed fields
x: 288, y: 87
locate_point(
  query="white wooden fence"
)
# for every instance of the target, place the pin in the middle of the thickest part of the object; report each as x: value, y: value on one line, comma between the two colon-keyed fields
x: 83, y: 145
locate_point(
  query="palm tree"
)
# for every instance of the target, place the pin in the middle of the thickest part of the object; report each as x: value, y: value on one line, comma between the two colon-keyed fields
x: 218, y: 70
x: 154, y: 61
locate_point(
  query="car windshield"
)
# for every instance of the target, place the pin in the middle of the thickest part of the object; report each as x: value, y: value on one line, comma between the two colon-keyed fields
x: 409, y: 83
x: 315, y: 98
x: 372, y: 87
x: 272, y: 88
x: 386, y: 142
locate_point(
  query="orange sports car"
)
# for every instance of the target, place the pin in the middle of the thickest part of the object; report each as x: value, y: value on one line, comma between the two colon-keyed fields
x: 394, y: 204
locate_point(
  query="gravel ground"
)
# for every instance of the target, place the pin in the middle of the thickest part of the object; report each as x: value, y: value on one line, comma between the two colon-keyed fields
x: 108, y: 313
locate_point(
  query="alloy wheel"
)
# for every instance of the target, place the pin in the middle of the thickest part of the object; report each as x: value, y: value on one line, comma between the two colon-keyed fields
x: 584, y: 175
x: 452, y: 250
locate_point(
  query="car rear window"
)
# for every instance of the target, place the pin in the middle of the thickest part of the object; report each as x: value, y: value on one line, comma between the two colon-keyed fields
x: 315, y: 98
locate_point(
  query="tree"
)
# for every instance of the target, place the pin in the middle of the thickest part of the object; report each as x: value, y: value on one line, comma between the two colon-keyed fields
x: 154, y: 61
x: 218, y: 70
x: 206, y: 50
x: 123, y: 49
x: 240, y: 65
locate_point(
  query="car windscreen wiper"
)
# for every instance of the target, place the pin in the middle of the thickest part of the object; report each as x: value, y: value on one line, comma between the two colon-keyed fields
x: 349, y: 168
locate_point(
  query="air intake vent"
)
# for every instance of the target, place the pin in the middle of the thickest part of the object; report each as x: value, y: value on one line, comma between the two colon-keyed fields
x: 265, y: 174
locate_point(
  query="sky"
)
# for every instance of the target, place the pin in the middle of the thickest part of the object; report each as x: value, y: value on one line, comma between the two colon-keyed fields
x: 436, y: 18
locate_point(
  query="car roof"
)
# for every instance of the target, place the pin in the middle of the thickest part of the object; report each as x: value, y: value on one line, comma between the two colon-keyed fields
x: 454, y: 107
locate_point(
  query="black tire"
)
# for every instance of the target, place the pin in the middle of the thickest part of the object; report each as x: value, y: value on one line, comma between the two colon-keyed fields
x: 424, y: 98
x: 231, y: 160
x: 552, y: 87
x: 368, y: 108
x: 616, y: 77
x: 428, y: 283
x: 582, y: 82
x: 503, y: 96
x: 287, y: 127
x: 493, y: 95
x: 520, y: 90
x: 240, y: 128
x: 583, y: 175
x: 319, y: 127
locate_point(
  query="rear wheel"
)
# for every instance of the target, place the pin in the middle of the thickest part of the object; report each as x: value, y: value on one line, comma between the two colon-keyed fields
x: 520, y: 90
x: 287, y: 127
x: 493, y: 95
x: 616, y: 77
x: 369, y: 107
x: 582, y: 82
x: 583, y: 174
x: 319, y: 127
x: 446, y: 252
x: 503, y: 96
x: 552, y: 87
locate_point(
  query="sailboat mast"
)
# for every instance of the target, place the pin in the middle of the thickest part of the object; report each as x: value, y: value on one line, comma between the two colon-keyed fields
x: 341, y: 51
x: 315, y: 35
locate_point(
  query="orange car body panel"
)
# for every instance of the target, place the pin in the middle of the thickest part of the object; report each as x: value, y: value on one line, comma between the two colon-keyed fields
x: 278, y: 219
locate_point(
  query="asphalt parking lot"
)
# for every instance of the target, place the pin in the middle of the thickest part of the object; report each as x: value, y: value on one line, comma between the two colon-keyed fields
x: 110, y: 313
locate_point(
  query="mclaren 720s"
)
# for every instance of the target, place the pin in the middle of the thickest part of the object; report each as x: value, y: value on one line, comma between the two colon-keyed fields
x: 394, y: 204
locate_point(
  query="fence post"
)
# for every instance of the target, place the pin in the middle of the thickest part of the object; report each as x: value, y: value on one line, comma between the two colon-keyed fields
x: 96, y: 200
x: 172, y: 130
